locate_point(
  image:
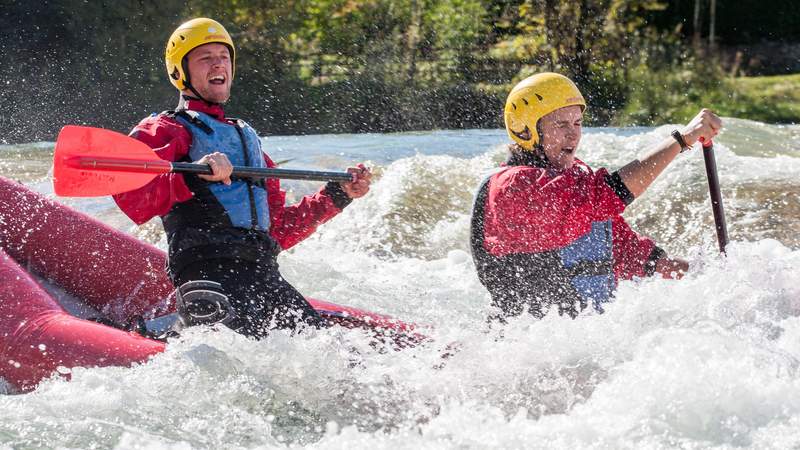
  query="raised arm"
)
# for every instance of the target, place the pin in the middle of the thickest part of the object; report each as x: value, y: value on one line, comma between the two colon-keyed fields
x: 640, y: 173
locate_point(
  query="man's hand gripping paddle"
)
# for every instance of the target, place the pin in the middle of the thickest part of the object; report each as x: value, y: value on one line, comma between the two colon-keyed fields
x: 92, y: 162
x: 714, y: 192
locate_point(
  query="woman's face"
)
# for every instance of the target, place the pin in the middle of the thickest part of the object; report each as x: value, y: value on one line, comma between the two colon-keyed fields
x: 561, y: 134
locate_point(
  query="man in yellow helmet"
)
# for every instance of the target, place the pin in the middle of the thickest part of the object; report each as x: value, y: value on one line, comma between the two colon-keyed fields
x: 546, y: 228
x: 224, y: 234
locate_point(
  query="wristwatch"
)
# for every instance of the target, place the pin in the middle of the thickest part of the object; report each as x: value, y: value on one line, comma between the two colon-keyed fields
x: 679, y: 137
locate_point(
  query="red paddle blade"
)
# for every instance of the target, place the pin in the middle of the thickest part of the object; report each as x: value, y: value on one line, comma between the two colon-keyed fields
x: 92, y: 162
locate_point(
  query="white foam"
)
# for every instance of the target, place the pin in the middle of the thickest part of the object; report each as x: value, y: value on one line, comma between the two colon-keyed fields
x: 708, y: 361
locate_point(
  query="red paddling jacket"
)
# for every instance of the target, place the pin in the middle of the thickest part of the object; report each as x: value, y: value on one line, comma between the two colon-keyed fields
x: 540, y: 236
x: 247, y: 220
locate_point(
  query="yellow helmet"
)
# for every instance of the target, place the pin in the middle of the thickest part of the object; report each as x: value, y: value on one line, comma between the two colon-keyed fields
x: 186, y: 38
x: 533, y: 98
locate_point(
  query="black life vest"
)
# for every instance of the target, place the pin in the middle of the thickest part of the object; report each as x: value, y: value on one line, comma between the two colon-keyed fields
x: 220, y: 221
x: 572, y: 277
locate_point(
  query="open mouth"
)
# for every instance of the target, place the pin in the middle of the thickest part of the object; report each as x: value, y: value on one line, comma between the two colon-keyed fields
x: 217, y: 80
x: 568, y: 150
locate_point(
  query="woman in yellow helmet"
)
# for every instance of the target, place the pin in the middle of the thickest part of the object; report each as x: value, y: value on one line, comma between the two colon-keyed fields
x: 546, y: 228
x: 224, y: 235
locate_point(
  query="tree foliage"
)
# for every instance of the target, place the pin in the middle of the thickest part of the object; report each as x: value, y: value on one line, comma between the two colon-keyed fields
x: 307, y: 66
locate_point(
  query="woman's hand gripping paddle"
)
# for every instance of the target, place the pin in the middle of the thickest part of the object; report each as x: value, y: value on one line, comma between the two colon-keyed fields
x: 716, y: 195
x: 92, y: 162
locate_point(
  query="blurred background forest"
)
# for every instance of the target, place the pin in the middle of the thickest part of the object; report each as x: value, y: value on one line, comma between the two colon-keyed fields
x: 333, y: 66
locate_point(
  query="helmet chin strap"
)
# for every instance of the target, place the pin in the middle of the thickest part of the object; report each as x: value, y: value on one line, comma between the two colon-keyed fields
x: 184, y: 100
x: 187, y: 83
x: 197, y: 95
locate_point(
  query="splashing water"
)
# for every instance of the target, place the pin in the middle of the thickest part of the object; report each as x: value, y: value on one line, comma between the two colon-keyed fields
x: 709, y: 361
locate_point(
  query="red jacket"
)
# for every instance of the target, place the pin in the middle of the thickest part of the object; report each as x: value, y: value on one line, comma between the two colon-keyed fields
x: 171, y: 141
x: 532, y: 210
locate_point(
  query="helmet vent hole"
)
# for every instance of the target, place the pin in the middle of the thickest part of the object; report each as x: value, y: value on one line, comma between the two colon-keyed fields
x: 183, y: 38
x: 515, y: 106
x: 538, y: 96
x: 526, y: 102
x: 175, y: 74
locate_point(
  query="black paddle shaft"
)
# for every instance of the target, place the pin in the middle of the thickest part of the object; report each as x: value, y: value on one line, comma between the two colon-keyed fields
x: 258, y: 172
x: 716, y: 196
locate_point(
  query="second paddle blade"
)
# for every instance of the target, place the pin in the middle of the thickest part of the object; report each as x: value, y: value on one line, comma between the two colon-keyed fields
x: 93, y: 162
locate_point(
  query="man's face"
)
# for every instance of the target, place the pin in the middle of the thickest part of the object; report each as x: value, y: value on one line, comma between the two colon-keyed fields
x: 210, y: 69
x: 561, y: 134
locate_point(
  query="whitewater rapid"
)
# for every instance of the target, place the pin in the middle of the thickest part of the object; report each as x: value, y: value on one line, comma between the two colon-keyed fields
x: 711, y: 361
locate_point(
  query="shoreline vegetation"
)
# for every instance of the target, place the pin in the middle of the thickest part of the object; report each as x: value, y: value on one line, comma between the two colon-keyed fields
x: 349, y: 66
x: 773, y: 99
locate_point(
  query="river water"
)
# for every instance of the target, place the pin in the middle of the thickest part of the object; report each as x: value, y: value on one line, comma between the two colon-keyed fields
x: 711, y: 361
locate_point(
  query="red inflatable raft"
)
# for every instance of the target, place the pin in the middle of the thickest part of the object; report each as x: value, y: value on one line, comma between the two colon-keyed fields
x: 110, y: 271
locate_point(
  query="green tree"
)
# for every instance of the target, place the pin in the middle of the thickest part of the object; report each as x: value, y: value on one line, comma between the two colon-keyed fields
x: 456, y: 29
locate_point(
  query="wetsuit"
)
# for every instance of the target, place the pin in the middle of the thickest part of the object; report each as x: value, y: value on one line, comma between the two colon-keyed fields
x: 543, y: 237
x: 228, y: 234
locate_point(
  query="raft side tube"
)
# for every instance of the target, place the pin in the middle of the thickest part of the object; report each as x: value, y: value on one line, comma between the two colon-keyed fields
x: 37, y: 336
x: 111, y: 271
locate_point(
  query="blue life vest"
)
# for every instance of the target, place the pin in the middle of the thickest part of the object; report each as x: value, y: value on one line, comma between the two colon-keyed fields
x: 590, y: 258
x: 244, y: 201
x: 571, y: 277
x: 219, y: 221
